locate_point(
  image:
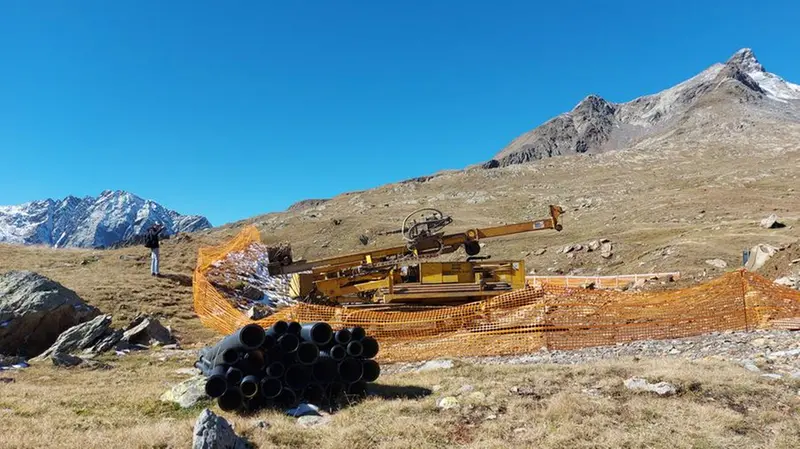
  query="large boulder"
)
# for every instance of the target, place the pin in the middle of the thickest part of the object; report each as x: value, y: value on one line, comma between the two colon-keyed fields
x: 81, y: 336
x: 35, y: 310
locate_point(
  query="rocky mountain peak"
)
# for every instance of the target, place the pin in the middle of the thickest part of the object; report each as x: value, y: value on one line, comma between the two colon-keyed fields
x: 594, y: 103
x: 112, y: 217
x: 745, y: 60
x: 596, y: 125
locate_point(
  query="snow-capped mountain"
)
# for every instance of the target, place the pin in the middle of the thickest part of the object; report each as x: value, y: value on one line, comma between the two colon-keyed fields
x: 90, y: 222
x: 739, y: 88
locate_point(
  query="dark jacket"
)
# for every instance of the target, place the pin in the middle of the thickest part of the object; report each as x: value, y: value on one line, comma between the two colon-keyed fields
x: 151, y: 237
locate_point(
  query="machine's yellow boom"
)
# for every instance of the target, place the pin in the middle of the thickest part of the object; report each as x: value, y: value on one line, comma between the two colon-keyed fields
x: 433, y: 244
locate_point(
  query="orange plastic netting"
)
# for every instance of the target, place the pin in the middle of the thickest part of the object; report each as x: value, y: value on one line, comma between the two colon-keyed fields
x: 525, y: 320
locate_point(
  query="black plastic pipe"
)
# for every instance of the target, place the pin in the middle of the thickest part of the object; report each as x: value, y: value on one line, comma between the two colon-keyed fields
x: 324, y: 370
x: 227, y: 356
x: 234, y: 376
x: 288, y: 343
x: 288, y: 397
x: 350, y: 370
x: 357, y: 333
x: 318, y: 333
x: 278, y: 328
x: 245, y: 338
x: 294, y: 328
x: 254, y: 360
x: 343, y: 336
x: 249, y: 386
x: 269, y: 341
x: 307, y: 353
x: 271, y: 387
x: 297, y: 376
x: 275, y: 370
x: 355, y: 348
x: 216, y: 384
x: 371, y: 370
x: 371, y: 347
x: 231, y: 400
x: 336, y: 352
x: 314, y: 393
x: 334, y: 390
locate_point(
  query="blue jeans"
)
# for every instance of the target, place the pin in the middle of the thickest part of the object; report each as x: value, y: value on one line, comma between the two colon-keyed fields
x: 153, y: 260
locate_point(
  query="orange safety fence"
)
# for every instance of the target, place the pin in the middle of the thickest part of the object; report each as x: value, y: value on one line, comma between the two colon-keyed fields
x: 525, y: 320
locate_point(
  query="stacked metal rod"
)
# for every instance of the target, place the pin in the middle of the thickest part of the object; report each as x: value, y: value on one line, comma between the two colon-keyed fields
x: 288, y: 363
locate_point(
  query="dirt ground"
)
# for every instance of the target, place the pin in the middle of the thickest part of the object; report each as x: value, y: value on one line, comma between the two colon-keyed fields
x: 718, y: 405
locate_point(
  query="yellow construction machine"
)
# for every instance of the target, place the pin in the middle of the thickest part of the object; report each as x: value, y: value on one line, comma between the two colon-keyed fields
x: 402, y: 275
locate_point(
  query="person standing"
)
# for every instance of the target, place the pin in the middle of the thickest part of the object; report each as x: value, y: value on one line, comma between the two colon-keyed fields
x: 151, y: 241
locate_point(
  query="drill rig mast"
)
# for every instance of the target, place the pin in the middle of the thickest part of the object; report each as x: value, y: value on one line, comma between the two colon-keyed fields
x: 398, y: 274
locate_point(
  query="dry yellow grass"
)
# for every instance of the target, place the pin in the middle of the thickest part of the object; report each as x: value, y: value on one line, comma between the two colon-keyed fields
x: 719, y: 405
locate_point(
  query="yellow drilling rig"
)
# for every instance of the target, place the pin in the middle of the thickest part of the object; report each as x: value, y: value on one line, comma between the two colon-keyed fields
x: 401, y: 275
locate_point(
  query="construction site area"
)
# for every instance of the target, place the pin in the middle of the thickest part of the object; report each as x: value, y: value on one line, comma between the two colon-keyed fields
x: 421, y: 308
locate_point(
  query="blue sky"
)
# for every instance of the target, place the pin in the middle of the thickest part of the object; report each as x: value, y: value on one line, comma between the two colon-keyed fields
x: 233, y: 109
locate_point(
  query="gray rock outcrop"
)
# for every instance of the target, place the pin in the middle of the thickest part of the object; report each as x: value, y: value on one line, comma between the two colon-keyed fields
x: 214, y: 432
x: 78, y: 337
x: 35, y: 310
x: 187, y: 393
x: 145, y: 330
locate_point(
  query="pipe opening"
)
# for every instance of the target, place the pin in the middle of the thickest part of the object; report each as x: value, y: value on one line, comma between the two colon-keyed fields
x: 234, y: 376
x: 358, y: 333
x: 371, y: 370
x: 343, y: 336
x: 271, y: 387
x: 294, y: 328
x: 296, y: 377
x: 307, y: 353
x: 371, y: 347
x: 350, y: 370
x: 269, y: 341
x: 249, y: 386
x: 317, y: 333
x: 337, y: 353
x: 288, y: 343
x: 231, y: 400
x: 216, y: 386
x: 278, y: 328
x: 355, y: 348
x: 251, y: 335
x: 229, y: 356
x: 275, y: 369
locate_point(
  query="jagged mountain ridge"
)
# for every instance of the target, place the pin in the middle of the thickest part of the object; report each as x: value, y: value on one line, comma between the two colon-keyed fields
x: 90, y: 222
x: 596, y: 125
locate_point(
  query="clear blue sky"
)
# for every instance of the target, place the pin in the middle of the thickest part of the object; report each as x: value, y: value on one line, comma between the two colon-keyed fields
x: 233, y: 109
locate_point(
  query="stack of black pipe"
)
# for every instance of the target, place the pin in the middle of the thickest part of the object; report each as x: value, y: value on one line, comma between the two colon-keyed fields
x: 288, y: 363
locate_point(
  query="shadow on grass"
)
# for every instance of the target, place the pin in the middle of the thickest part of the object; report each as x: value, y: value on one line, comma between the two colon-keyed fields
x: 397, y: 391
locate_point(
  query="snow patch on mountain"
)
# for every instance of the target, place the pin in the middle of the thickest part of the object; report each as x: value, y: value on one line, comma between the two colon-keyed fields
x: 89, y: 222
